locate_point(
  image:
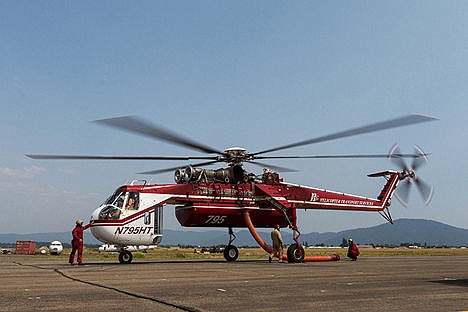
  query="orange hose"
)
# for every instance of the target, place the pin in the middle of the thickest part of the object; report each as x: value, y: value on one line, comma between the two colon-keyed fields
x: 269, y: 250
x: 257, y: 237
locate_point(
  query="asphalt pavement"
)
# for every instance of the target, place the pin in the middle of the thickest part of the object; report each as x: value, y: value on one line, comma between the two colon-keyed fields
x: 32, y: 283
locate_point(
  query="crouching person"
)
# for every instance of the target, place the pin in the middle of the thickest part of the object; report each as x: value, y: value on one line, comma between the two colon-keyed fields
x: 353, y: 250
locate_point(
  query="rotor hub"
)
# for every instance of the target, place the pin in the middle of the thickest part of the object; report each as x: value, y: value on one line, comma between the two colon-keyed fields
x: 236, y: 155
x: 408, y: 174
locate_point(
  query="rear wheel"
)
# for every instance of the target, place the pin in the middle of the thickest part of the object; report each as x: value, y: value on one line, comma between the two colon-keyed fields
x: 231, y: 253
x: 294, y: 256
x: 125, y: 257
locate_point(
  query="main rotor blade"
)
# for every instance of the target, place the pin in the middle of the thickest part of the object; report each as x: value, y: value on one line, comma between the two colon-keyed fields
x: 101, y: 157
x: 275, y: 168
x: 393, y: 123
x: 178, y: 167
x: 341, y: 156
x: 139, y: 126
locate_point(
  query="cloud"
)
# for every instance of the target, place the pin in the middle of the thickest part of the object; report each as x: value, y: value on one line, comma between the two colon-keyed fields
x: 25, y: 173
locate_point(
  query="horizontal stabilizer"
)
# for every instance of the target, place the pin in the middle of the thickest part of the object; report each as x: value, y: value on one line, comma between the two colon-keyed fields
x: 382, y: 173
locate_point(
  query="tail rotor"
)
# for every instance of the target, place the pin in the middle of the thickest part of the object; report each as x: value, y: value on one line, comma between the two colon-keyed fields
x: 408, y: 174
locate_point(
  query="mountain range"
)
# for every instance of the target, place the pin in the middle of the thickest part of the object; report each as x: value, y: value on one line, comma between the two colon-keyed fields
x: 424, y: 232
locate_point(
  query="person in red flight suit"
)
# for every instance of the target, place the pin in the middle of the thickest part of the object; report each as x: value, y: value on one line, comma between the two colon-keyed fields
x: 353, y: 250
x: 77, y: 242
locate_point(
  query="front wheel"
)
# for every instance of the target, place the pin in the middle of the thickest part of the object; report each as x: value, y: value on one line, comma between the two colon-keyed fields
x: 125, y: 257
x: 231, y: 253
x: 294, y: 256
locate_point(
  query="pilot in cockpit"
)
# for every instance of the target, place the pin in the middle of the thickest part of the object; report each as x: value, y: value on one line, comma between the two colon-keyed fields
x: 130, y: 204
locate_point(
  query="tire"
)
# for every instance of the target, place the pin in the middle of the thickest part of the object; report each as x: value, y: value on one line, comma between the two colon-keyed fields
x: 293, y: 254
x: 125, y: 257
x: 231, y: 253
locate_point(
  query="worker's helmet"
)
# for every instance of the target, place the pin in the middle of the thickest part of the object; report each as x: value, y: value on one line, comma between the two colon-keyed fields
x: 79, y: 222
x: 277, y: 226
x: 350, y: 240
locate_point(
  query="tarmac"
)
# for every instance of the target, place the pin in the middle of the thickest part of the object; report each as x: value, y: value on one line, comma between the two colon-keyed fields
x: 438, y: 283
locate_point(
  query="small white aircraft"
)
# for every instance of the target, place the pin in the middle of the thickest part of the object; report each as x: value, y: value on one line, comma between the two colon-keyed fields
x: 55, y: 248
x: 6, y: 251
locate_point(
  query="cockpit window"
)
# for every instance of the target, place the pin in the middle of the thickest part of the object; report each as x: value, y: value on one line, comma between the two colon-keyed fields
x: 118, y: 196
x: 110, y: 213
x: 118, y: 203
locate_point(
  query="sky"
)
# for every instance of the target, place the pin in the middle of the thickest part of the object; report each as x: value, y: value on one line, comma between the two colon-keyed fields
x: 255, y: 74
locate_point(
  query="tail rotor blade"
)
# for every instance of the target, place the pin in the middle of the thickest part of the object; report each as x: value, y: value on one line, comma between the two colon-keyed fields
x: 408, y: 175
x: 418, y: 161
x: 402, y: 194
x: 395, y: 157
x: 426, y: 190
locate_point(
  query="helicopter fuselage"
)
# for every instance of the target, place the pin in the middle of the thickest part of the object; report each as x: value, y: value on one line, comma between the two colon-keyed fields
x: 133, y: 214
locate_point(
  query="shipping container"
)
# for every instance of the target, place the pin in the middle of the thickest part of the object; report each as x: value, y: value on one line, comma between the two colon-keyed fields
x: 25, y: 248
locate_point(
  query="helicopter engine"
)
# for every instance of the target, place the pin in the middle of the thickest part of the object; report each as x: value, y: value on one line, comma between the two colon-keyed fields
x: 191, y: 174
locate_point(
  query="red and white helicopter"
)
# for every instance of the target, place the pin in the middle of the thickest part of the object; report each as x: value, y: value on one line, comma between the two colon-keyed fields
x: 231, y: 197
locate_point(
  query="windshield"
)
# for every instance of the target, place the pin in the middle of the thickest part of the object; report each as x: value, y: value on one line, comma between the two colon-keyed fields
x: 110, y: 213
x: 116, y: 199
x: 119, y: 202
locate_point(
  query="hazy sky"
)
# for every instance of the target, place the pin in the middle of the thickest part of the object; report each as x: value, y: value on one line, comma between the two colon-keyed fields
x: 255, y: 74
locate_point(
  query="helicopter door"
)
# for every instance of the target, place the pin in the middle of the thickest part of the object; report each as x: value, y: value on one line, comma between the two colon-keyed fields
x: 158, y: 213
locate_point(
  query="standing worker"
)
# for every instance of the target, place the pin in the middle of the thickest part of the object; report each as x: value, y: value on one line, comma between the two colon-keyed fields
x: 77, y: 242
x: 277, y: 241
x: 353, y: 250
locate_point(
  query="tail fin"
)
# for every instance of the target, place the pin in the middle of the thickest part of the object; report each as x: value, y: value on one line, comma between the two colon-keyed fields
x: 393, y: 178
x: 390, y: 186
x: 382, y: 174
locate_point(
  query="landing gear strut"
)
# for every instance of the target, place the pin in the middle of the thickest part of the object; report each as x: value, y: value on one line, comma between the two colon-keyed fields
x: 125, y: 256
x: 231, y: 253
x: 295, y: 251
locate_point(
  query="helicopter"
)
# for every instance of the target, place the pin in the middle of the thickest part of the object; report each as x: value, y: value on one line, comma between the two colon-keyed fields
x: 231, y: 197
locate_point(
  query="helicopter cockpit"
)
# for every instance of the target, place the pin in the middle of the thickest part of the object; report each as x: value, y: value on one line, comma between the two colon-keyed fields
x: 119, y: 204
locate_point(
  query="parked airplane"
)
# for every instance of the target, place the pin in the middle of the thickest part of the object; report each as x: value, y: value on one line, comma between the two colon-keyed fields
x: 55, y: 248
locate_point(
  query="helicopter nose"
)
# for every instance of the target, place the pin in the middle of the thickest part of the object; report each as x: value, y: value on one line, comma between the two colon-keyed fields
x: 96, y: 212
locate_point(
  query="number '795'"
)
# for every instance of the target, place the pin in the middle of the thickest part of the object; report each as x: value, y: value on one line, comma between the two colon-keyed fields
x: 215, y: 219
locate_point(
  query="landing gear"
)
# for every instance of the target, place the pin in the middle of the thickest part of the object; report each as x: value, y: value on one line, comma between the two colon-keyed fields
x: 295, y: 255
x: 231, y: 253
x: 296, y: 251
x: 125, y: 256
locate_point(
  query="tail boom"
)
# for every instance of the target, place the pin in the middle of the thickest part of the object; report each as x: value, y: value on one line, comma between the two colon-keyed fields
x: 303, y: 197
